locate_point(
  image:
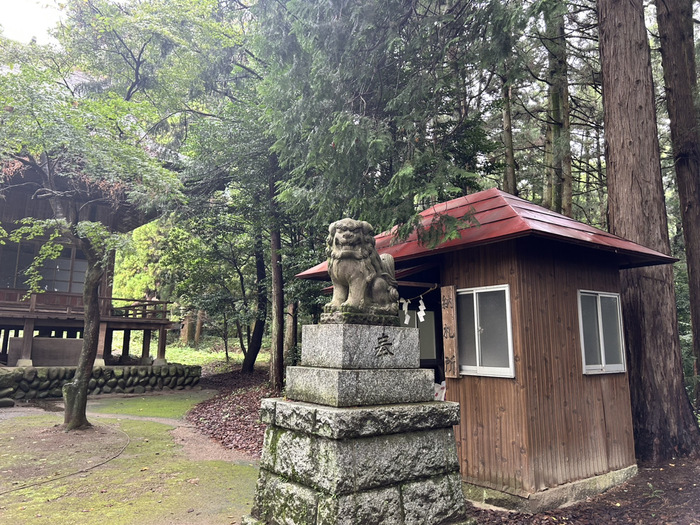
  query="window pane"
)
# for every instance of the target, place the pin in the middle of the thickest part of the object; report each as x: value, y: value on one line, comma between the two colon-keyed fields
x: 609, y: 312
x: 47, y: 274
x: 79, y: 265
x: 8, y: 260
x: 465, y: 328
x: 26, y: 256
x: 427, y: 336
x: 63, y: 264
x: 493, y: 329
x: 589, y: 321
x: 58, y: 286
x: 62, y: 275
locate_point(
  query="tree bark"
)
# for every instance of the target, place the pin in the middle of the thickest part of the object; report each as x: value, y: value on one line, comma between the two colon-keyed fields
x: 678, y: 60
x: 290, y: 334
x: 261, y: 312
x: 664, y: 424
x: 277, y: 331
x: 559, y: 121
x: 76, y: 391
x: 509, y: 179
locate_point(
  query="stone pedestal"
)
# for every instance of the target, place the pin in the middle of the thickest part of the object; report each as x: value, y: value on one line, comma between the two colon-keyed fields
x: 359, y: 439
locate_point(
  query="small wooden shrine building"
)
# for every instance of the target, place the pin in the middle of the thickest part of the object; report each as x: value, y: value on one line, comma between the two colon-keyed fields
x: 51, y: 323
x: 527, y: 330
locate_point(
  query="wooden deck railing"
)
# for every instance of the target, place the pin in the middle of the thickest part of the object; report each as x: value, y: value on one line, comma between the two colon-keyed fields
x: 65, y: 303
x: 138, y: 309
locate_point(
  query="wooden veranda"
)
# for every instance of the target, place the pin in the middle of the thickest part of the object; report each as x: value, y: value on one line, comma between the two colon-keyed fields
x: 50, y: 316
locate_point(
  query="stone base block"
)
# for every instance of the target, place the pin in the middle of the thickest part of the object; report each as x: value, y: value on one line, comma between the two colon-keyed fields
x: 360, y: 346
x: 346, y: 388
x: 346, y: 423
x: 437, y: 500
x: 349, y: 465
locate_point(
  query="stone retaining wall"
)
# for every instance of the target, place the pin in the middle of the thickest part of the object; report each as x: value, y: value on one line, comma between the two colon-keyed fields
x: 47, y: 382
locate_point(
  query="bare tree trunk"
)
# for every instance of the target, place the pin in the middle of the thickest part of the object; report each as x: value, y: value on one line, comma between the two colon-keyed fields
x: 277, y: 332
x: 555, y: 170
x: 559, y: 121
x: 547, y: 194
x: 678, y: 59
x: 509, y: 180
x: 76, y: 391
x: 261, y: 311
x: 664, y: 424
x: 565, y: 116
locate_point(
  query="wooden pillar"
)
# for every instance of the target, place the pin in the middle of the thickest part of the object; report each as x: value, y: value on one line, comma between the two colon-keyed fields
x: 125, y: 346
x: 108, y: 345
x: 5, y: 343
x: 146, y: 349
x: 162, y: 339
x: 27, y: 339
x: 101, y: 342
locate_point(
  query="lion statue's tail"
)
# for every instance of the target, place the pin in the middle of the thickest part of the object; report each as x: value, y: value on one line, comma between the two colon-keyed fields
x: 389, y: 273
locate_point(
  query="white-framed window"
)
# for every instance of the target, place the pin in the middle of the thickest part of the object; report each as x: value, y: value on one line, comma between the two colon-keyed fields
x: 600, y: 325
x: 485, y: 341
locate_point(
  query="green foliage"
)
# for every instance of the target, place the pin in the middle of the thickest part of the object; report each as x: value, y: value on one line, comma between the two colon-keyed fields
x: 366, y: 104
x: 50, y: 249
x: 139, y: 270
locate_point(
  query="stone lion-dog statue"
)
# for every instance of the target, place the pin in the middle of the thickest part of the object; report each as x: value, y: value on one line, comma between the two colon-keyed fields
x: 364, y: 286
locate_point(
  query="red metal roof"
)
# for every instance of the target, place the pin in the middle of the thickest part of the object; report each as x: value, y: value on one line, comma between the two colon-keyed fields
x: 500, y: 216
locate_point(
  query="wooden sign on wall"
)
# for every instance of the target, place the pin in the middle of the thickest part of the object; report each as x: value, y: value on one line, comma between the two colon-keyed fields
x: 449, y: 331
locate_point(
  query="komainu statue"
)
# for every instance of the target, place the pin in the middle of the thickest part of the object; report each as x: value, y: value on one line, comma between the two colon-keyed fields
x: 364, y: 286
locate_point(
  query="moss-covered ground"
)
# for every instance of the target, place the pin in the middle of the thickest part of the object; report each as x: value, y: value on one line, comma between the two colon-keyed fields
x: 127, y: 469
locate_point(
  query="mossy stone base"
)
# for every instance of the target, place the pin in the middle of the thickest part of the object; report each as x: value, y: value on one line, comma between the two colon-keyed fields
x: 355, y: 422
x: 389, y: 464
x: 436, y: 501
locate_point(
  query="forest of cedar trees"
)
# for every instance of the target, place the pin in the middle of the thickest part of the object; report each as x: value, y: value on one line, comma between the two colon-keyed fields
x: 245, y: 127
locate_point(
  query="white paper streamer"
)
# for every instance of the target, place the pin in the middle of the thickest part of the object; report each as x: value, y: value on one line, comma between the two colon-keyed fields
x: 421, y: 310
x: 404, y: 307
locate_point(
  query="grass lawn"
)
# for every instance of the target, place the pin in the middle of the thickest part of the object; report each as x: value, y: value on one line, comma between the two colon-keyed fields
x: 129, y: 469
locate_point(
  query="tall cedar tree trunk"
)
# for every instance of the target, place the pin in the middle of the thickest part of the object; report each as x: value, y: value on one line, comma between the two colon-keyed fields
x: 277, y: 331
x: 261, y: 312
x: 548, y: 190
x: 559, y: 122
x: 75, y: 392
x: 509, y: 180
x: 562, y: 85
x: 678, y: 58
x: 664, y: 424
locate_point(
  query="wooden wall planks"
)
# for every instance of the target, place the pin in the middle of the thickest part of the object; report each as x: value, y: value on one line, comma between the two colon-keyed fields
x: 551, y: 424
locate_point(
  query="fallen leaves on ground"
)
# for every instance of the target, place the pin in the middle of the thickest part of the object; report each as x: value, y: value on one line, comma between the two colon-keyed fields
x: 233, y: 416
